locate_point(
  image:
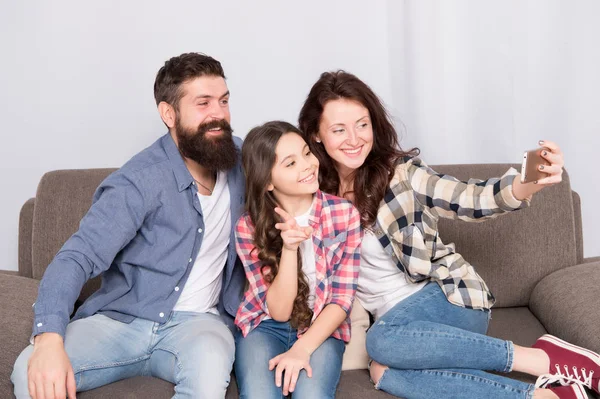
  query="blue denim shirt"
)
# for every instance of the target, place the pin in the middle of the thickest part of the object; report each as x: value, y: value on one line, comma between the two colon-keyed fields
x: 142, y: 233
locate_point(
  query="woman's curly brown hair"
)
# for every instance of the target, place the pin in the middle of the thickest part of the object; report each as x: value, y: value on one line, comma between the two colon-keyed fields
x: 258, y: 158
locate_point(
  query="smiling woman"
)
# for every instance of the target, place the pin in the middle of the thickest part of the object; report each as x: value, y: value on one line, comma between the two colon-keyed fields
x: 346, y: 128
x: 413, y: 284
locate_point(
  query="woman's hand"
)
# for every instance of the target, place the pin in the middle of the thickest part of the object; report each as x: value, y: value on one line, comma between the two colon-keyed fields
x: 555, y: 158
x: 290, y: 364
x: 291, y: 233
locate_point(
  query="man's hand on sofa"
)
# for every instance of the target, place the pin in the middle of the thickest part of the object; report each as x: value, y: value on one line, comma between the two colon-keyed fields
x: 50, y: 372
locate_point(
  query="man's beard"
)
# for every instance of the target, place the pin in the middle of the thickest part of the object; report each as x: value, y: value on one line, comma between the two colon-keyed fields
x: 217, y: 153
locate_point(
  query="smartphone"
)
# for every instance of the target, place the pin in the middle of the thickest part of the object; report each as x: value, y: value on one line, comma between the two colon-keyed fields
x: 530, y: 168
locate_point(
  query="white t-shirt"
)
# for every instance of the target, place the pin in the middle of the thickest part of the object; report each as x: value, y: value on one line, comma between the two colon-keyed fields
x: 307, y: 253
x: 381, y: 285
x: 203, y: 287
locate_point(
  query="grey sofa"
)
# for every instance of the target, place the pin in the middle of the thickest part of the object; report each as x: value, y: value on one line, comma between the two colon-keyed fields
x: 532, y: 260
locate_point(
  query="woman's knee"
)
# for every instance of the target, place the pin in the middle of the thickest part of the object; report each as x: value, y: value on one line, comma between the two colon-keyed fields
x: 382, y: 341
x: 375, y: 342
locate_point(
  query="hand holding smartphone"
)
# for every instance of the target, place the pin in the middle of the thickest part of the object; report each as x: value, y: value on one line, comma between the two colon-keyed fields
x: 532, y: 160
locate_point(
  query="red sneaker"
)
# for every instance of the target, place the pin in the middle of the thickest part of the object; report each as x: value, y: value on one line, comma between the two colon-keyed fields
x: 575, y: 391
x: 570, y: 363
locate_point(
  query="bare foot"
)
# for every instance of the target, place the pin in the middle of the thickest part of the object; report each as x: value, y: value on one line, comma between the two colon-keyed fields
x: 531, y: 361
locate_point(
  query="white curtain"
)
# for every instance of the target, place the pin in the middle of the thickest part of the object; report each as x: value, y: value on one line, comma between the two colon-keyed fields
x: 482, y: 81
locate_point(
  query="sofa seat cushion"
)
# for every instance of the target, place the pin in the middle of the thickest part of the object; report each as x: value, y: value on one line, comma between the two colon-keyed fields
x: 353, y: 385
x: 355, y: 356
x: 518, y: 325
x: 132, y: 388
x: 356, y: 384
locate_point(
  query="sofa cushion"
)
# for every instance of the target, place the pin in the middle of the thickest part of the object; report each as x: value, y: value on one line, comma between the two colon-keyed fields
x: 521, y: 327
x: 355, y: 356
x: 569, y: 298
x: 515, y: 251
x: 25, y: 226
x: 518, y: 325
x: 132, y: 388
x: 356, y: 384
x: 63, y: 198
x: 353, y: 384
x: 547, y: 229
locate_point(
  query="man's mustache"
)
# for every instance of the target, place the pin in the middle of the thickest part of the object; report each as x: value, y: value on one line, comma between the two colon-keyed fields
x: 220, y: 123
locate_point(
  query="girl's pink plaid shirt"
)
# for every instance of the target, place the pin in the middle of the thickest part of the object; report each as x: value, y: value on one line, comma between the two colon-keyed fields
x: 336, y: 240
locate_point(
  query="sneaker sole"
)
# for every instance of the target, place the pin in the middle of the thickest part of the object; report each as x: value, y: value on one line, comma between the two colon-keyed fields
x: 580, y: 392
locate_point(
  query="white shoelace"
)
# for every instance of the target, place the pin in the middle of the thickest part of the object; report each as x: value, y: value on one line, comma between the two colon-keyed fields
x: 566, y: 378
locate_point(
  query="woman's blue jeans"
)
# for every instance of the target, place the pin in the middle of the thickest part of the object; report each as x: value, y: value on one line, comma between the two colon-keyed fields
x: 435, y: 349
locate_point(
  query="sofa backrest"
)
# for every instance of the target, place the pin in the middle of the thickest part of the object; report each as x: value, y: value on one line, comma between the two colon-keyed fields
x: 515, y: 251
x: 512, y: 252
x: 63, y: 198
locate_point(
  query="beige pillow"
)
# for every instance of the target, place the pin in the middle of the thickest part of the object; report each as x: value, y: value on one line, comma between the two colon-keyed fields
x: 356, y: 356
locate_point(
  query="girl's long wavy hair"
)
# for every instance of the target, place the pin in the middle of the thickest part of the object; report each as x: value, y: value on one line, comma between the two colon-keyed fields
x: 372, y: 178
x: 258, y: 158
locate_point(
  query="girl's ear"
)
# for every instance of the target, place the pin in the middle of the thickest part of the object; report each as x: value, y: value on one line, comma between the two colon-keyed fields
x: 270, y: 187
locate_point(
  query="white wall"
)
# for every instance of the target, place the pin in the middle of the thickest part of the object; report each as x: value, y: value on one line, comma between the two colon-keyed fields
x: 76, y: 78
x: 482, y: 81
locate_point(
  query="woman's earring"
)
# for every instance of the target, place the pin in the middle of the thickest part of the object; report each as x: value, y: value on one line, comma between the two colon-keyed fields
x: 318, y: 140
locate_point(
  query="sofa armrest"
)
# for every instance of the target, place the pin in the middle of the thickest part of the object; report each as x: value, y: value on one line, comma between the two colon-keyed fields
x: 17, y: 294
x: 568, y: 305
x: 578, y: 226
x: 25, y: 240
x: 591, y: 260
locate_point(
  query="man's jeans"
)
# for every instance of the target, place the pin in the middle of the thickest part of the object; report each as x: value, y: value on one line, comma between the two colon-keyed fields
x: 194, y: 351
x: 435, y: 349
x: 271, y: 338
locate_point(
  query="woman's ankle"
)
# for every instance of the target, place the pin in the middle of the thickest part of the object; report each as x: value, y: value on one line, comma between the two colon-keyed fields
x: 531, y: 361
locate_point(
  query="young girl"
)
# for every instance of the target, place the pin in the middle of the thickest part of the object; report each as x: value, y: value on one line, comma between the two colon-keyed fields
x: 300, y: 251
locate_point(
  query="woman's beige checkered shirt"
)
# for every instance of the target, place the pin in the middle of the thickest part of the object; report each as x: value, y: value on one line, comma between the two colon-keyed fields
x: 407, y: 226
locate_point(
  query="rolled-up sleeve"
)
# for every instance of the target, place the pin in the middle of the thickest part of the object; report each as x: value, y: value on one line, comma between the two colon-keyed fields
x: 345, y: 276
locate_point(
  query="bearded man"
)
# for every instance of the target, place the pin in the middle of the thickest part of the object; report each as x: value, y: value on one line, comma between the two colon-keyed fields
x: 159, y: 232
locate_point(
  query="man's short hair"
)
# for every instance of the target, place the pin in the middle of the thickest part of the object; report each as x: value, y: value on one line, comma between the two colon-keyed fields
x: 180, y: 69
